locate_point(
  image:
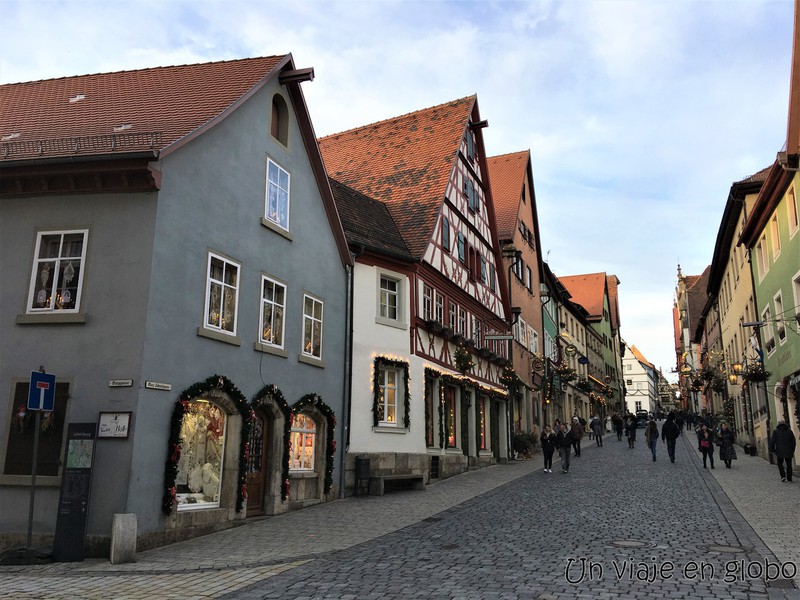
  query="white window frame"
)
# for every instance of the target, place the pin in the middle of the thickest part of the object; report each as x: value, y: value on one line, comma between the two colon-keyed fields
x: 780, y: 320
x: 264, y: 281
x: 388, y: 298
x: 427, y: 302
x: 302, y: 432
x: 312, y: 319
x: 275, y: 219
x: 534, y: 336
x: 384, y: 386
x: 761, y: 257
x: 796, y: 289
x: 209, y: 282
x: 438, y: 307
x: 775, y: 234
x: 462, y: 321
x: 792, y: 213
x: 769, y: 335
x: 32, y: 293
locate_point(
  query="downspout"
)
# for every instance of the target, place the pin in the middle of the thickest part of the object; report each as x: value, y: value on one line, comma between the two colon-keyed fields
x: 348, y: 371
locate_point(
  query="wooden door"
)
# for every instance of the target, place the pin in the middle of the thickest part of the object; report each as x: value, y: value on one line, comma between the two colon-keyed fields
x: 257, y: 466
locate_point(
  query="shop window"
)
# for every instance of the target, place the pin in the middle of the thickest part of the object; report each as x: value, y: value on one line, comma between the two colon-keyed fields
x: 22, y: 424
x: 202, y: 437
x: 222, y: 295
x: 450, y: 416
x: 57, y: 277
x: 302, y: 440
x: 279, y: 122
x: 277, y: 208
x: 312, y: 327
x: 273, y: 307
x: 388, y: 379
x: 482, y: 429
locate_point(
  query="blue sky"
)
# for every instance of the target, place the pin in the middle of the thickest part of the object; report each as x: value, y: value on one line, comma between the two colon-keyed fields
x: 639, y: 114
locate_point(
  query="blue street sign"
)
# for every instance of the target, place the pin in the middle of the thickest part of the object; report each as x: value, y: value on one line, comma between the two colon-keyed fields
x: 42, y: 393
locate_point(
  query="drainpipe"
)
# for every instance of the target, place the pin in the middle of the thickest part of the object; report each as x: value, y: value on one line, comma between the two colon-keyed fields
x: 348, y: 369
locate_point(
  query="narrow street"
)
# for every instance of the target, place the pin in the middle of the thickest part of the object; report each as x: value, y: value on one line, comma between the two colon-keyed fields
x: 618, y: 525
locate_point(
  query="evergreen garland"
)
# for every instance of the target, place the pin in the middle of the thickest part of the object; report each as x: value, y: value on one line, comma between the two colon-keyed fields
x: 272, y: 392
x: 382, y: 361
x: 310, y: 400
x: 215, y: 382
x: 173, y: 456
x: 463, y: 359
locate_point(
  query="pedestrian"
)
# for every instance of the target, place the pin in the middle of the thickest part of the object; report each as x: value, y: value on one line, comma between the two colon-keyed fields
x: 630, y: 430
x: 670, y: 432
x: 590, y: 430
x: 705, y: 443
x: 577, y: 435
x: 597, y: 428
x: 651, y: 436
x: 679, y: 421
x: 619, y: 425
x: 564, y: 446
x: 725, y: 440
x: 782, y: 444
x: 548, y: 441
x: 608, y: 424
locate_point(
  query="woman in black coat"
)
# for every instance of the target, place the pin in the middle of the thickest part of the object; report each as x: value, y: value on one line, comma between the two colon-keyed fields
x: 725, y: 439
x: 548, y: 440
x: 705, y: 443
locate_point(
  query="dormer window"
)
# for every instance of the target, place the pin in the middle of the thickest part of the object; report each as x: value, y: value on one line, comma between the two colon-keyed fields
x: 279, y: 121
x: 123, y: 127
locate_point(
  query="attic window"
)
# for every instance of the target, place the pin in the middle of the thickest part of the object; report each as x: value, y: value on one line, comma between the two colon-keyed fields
x: 123, y: 127
x: 77, y: 98
x: 9, y: 137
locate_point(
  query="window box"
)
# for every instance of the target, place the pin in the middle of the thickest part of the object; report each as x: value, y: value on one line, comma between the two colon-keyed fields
x: 447, y: 333
x: 434, y: 326
x: 457, y: 338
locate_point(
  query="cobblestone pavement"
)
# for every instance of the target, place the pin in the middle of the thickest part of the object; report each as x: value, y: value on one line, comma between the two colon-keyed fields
x: 508, y: 531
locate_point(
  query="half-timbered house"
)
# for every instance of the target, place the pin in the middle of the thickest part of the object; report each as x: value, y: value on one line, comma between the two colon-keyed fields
x: 428, y: 378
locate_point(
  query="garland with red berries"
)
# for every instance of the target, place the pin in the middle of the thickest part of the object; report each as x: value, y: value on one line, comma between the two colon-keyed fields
x: 312, y: 400
x: 215, y: 382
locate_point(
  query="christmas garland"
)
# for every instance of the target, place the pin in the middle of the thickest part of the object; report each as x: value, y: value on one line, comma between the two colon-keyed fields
x: 463, y: 359
x: 429, y: 377
x: 310, y: 400
x: 271, y: 392
x: 382, y: 361
x: 215, y: 382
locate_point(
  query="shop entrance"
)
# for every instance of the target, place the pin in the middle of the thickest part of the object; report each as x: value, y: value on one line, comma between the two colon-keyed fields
x: 257, y: 465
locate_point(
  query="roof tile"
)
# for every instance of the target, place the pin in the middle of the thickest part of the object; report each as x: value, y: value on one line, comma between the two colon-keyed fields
x: 170, y: 101
x: 404, y: 162
x: 507, y: 173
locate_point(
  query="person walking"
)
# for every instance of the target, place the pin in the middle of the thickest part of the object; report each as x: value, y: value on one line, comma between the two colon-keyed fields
x: 630, y: 430
x: 782, y: 444
x: 670, y: 432
x: 619, y: 425
x: 651, y: 436
x: 705, y: 443
x: 578, y: 431
x: 564, y: 446
x: 548, y: 441
x: 597, y: 428
x: 725, y: 439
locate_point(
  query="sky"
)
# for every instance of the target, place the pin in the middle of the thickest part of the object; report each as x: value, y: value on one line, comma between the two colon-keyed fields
x: 639, y: 114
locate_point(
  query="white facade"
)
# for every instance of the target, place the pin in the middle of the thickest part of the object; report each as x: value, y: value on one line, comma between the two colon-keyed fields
x: 640, y: 385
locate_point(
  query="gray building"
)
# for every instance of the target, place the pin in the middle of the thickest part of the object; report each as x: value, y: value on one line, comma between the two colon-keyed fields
x: 171, y: 251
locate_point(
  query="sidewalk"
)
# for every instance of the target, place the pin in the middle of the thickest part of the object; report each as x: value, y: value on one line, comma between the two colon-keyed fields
x: 772, y: 508
x: 224, y: 562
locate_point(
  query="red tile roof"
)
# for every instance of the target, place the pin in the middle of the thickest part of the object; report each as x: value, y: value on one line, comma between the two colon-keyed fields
x: 161, y: 105
x: 640, y: 357
x: 697, y: 294
x: 588, y: 290
x: 507, y: 173
x: 404, y: 162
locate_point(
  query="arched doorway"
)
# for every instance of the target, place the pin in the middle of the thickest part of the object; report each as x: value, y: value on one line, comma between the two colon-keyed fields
x: 257, y: 464
x: 267, y: 452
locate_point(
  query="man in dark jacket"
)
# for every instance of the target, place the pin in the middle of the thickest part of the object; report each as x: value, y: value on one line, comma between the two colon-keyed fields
x: 578, y: 429
x: 564, y: 446
x: 782, y: 444
x: 669, y: 433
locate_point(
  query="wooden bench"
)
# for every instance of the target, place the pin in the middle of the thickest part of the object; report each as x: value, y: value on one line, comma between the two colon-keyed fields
x: 378, y: 483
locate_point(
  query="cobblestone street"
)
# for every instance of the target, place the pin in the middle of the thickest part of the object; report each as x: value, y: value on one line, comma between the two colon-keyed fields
x: 618, y: 525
